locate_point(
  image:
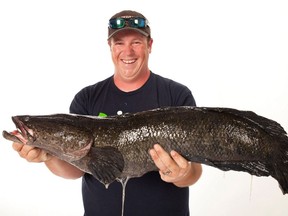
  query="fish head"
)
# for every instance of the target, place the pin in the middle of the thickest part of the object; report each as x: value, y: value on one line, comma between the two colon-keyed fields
x: 58, y: 135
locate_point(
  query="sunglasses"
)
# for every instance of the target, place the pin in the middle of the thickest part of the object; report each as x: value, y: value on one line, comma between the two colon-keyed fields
x: 135, y: 22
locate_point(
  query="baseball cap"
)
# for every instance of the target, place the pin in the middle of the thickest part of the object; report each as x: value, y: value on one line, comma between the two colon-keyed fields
x: 128, y: 19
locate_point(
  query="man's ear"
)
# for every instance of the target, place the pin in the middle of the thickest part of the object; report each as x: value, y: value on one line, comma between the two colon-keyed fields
x: 150, y: 42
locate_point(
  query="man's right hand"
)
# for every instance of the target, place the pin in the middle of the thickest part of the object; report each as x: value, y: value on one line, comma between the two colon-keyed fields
x: 30, y: 153
x: 55, y: 165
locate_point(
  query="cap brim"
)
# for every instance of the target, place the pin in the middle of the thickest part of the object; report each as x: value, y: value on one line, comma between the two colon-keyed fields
x: 128, y: 28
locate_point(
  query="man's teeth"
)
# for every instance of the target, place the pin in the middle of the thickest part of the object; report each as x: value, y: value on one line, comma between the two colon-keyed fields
x: 129, y: 61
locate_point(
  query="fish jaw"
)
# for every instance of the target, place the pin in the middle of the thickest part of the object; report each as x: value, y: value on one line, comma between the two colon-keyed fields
x: 14, y: 136
x: 22, y: 135
x: 29, y: 133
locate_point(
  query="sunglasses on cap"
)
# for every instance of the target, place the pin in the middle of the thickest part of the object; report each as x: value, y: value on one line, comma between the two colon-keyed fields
x: 134, y: 22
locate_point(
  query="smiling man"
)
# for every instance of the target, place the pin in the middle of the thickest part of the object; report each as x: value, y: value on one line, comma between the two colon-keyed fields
x: 132, y: 88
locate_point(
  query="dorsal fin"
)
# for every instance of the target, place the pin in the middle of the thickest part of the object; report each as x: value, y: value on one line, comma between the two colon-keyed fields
x: 270, y: 126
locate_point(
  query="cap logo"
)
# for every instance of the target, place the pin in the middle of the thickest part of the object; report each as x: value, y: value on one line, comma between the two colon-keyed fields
x: 126, y: 16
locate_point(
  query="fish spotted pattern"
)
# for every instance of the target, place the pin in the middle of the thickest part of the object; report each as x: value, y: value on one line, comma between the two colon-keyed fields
x: 117, y: 147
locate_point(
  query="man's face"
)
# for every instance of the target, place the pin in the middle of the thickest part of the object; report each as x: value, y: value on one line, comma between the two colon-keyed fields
x: 130, y: 52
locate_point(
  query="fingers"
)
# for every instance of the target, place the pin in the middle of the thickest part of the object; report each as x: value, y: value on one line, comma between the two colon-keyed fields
x: 17, y: 146
x: 172, y: 167
x: 181, y: 162
x: 162, y: 159
x: 31, y: 154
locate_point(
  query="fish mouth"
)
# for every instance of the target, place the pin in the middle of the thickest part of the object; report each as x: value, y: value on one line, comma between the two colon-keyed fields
x: 21, y: 135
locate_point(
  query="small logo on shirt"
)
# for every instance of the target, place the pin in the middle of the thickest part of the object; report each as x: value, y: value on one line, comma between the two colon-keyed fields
x: 102, y: 114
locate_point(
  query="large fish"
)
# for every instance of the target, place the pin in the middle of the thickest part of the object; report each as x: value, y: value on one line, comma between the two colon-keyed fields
x: 117, y: 147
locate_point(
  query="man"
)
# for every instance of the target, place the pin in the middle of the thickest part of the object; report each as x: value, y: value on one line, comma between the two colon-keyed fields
x: 132, y: 88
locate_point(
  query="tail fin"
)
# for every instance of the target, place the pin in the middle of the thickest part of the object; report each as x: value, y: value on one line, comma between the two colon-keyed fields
x: 278, y: 168
x: 274, y: 129
x: 281, y: 169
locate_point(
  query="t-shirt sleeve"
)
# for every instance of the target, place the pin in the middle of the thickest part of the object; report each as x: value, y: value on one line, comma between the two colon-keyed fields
x: 182, y: 95
x: 89, y: 99
x: 172, y: 93
x: 79, y: 103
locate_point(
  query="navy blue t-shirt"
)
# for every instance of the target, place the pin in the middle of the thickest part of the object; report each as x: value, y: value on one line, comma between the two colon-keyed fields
x: 147, y: 195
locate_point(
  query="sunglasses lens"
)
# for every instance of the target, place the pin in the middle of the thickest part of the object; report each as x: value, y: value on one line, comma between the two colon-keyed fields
x: 117, y: 23
x: 138, y: 23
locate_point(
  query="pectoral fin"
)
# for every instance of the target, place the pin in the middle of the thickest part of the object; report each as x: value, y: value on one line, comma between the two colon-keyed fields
x: 106, y: 164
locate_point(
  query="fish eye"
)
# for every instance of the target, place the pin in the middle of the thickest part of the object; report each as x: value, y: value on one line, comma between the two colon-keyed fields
x: 26, y: 118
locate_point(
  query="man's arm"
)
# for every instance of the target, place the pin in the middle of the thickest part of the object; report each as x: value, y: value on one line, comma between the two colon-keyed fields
x: 54, y: 164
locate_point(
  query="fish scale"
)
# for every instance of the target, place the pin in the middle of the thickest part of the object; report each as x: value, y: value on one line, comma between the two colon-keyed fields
x: 117, y: 147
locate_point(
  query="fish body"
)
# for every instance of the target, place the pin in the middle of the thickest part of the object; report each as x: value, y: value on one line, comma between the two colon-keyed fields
x: 117, y: 147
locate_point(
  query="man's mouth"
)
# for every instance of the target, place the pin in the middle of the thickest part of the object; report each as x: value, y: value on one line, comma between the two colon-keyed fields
x: 128, y: 61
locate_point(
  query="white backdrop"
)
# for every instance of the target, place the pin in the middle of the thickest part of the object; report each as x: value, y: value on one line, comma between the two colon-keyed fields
x: 229, y: 53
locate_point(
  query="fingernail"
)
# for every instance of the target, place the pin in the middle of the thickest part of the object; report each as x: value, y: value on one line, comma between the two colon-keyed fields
x: 173, y: 153
x: 157, y: 147
x: 152, y: 152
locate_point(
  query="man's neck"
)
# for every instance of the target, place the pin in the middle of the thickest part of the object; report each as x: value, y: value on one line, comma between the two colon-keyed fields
x: 131, y: 85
